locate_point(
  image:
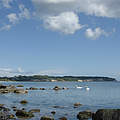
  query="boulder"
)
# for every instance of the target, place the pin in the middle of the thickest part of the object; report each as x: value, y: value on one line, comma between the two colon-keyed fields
x: 46, y: 118
x: 64, y: 88
x: 32, y: 88
x: 4, y: 116
x: 84, y: 115
x: 24, y: 102
x: 42, y: 89
x: 22, y: 91
x: 24, y: 114
x: 107, y: 114
x: 77, y: 105
x: 3, y: 86
x: 53, y: 112
x: 56, y: 88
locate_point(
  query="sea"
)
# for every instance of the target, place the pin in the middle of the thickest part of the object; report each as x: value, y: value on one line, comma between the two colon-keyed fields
x: 100, y: 95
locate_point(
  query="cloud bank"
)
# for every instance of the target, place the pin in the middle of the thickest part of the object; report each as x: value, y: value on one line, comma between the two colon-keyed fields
x: 63, y: 15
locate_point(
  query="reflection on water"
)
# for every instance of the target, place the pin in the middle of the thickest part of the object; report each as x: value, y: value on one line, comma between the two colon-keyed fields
x: 100, y: 95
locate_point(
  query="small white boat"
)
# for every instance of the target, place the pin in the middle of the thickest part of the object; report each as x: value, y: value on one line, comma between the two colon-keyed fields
x: 79, y: 87
x: 87, y: 88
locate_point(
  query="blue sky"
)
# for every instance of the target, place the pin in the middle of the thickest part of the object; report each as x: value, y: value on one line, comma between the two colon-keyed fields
x: 60, y: 37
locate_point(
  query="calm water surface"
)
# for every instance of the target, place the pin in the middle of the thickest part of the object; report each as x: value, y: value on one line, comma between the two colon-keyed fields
x: 100, y: 95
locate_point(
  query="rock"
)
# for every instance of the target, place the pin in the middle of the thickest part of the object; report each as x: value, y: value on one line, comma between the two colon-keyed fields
x: 1, y: 105
x: 106, y: 114
x: 3, y: 86
x: 84, y: 115
x: 56, y: 88
x: 22, y: 91
x: 53, y: 112
x: 42, y: 89
x: 32, y: 88
x: 24, y: 114
x: 77, y: 105
x: 11, y: 87
x: 4, y: 116
x: 59, y: 107
x: 4, y: 91
x: 63, y: 118
x: 64, y: 88
x: 34, y: 110
x: 46, y: 118
x: 11, y: 116
x: 14, y: 107
x: 20, y: 85
x: 23, y: 109
x: 24, y: 102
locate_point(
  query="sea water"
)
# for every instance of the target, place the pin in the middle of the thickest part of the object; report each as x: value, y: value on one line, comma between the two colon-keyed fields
x: 100, y: 95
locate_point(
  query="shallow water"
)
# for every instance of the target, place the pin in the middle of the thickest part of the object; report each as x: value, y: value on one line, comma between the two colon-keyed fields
x: 100, y: 95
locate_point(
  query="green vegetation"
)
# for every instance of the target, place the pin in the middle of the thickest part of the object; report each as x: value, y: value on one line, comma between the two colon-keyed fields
x: 45, y: 78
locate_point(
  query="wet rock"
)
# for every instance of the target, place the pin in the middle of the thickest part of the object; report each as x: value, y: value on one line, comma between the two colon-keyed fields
x: 1, y: 105
x: 32, y: 88
x: 14, y: 107
x: 34, y: 110
x: 56, y: 88
x: 64, y: 88
x: 23, y: 109
x: 84, y: 115
x: 77, y: 105
x: 20, y: 91
x: 11, y: 87
x: 20, y: 85
x: 4, y: 116
x: 46, y: 118
x: 53, y: 112
x: 24, y: 102
x: 63, y: 118
x: 42, y: 89
x: 4, y: 109
x: 24, y: 114
x: 106, y: 114
x: 11, y: 116
x: 62, y: 107
x: 3, y: 86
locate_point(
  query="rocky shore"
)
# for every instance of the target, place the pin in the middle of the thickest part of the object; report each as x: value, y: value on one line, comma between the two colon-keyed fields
x: 14, y: 113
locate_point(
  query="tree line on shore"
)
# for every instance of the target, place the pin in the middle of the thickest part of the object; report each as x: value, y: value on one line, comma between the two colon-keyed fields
x: 46, y: 78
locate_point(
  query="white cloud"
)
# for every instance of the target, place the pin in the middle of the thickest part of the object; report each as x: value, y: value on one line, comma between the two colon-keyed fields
x: 52, y: 72
x: 24, y: 12
x: 13, y: 18
x: 96, y: 33
x: 20, y: 70
x: 67, y: 22
x: 104, y: 8
x: 53, y: 12
x: 13, y: 72
x: 5, y: 27
x: 16, y: 17
x: 6, y: 3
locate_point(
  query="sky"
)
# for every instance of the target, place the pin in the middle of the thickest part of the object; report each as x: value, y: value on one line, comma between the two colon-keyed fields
x: 60, y: 37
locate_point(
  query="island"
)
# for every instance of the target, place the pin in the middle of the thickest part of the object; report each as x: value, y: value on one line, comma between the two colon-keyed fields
x: 46, y: 78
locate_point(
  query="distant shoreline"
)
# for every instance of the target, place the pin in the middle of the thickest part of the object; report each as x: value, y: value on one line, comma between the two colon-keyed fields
x: 45, y: 78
